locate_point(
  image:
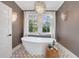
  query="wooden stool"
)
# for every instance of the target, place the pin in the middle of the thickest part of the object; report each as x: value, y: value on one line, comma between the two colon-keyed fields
x: 52, y: 53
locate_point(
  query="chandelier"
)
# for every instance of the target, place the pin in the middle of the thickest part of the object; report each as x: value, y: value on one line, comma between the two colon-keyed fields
x: 40, y: 7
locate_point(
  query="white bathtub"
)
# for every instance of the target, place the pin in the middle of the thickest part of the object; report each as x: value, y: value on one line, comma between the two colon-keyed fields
x: 36, y: 45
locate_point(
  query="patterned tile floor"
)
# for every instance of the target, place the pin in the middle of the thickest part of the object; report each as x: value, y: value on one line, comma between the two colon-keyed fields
x: 22, y: 53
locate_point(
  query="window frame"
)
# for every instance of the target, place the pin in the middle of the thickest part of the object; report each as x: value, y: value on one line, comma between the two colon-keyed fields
x: 52, y: 29
x: 31, y: 33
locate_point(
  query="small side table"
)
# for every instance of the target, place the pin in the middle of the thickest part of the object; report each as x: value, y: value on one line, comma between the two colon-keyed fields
x: 52, y: 53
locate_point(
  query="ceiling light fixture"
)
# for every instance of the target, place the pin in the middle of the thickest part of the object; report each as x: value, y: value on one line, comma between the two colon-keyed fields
x: 40, y: 7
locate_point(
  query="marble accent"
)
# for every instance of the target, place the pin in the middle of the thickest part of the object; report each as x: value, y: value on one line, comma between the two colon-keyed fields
x: 20, y: 52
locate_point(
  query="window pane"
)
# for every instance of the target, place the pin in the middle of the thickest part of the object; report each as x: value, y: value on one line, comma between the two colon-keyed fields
x: 46, y: 24
x: 33, y: 24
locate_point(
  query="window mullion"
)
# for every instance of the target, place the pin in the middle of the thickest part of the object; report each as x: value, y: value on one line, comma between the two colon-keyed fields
x: 39, y: 24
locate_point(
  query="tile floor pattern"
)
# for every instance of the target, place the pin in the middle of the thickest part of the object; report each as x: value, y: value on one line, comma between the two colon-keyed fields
x: 22, y: 53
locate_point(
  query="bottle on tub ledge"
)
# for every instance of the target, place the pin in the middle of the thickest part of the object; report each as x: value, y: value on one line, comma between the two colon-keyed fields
x: 52, y: 46
x: 52, y: 51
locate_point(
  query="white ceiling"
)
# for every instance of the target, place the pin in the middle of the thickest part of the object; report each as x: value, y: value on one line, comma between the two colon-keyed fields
x: 29, y: 5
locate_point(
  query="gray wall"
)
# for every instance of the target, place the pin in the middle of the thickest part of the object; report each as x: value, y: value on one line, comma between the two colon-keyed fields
x: 68, y: 30
x: 17, y: 26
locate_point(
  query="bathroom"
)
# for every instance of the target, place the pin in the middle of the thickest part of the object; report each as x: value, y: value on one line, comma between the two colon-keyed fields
x: 34, y: 27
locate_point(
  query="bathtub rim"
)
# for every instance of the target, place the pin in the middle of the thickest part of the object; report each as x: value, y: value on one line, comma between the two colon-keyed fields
x: 25, y: 39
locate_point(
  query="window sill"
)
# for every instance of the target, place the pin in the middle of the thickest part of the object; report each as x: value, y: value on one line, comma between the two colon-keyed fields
x: 48, y: 35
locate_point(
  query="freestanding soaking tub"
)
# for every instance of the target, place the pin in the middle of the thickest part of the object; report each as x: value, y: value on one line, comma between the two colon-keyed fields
x: 36, y: 45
